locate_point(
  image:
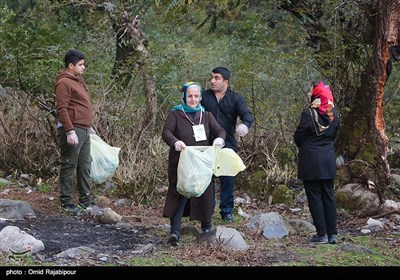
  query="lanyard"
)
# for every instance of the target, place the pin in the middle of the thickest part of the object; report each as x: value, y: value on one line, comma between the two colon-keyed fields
x: 201, y: 115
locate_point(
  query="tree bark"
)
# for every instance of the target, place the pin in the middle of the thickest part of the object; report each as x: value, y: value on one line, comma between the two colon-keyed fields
x: 362, y: 140
x: 132, y: 51
x: 365, y: 143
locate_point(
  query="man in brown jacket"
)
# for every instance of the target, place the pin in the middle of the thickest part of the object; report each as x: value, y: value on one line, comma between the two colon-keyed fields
x: 75, y: 115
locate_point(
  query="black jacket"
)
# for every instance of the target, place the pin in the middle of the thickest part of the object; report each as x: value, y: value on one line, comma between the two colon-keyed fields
x: 226, y: 113
x: 317, y: 158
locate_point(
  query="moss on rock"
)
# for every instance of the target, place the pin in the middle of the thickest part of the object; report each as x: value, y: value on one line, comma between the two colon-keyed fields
x: 347, y: 201
x: 282, y: 194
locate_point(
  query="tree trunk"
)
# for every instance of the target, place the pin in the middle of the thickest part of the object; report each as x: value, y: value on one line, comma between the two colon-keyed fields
x: 362, y: 140
x: 132, y: 51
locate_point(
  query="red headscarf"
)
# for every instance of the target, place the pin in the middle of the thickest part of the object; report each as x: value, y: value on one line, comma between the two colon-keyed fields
x: 322, y: 99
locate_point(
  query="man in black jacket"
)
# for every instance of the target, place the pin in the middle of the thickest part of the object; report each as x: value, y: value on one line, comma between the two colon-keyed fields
x: 227, y: 106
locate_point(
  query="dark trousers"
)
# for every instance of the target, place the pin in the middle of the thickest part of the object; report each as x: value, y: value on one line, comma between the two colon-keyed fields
x: 226, y: 195
x: 75, y: 159
x: 322, y: 205
x: 176, y: 220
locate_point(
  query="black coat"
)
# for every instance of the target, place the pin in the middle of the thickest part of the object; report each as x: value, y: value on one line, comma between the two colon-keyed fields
x: 227, y: 111
x: 317, y: 158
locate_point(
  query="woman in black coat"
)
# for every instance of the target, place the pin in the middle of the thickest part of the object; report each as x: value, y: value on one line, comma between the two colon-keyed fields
x: 315, y: 136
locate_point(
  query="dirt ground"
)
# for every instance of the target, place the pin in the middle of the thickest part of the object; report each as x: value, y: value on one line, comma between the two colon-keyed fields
x: 60, y: 231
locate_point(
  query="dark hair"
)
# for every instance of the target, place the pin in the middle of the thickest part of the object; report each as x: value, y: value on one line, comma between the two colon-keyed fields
x: 223, y: 71
x: 73, y: 56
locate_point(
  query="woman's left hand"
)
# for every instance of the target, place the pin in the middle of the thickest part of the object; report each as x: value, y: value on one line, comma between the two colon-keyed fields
x: 219, y: 142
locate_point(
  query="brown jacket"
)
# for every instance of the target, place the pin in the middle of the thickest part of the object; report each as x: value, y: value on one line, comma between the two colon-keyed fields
x: 178, y: 127
x: 73, y: 101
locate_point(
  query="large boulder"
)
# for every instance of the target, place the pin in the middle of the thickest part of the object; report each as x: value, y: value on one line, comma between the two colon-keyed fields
x: 358, y: 199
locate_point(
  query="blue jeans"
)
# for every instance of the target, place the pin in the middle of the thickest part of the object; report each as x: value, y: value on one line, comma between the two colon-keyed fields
x: 226, y: 195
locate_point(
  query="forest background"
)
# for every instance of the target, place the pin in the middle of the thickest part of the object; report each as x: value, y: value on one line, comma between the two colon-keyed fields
x: 139, y: 53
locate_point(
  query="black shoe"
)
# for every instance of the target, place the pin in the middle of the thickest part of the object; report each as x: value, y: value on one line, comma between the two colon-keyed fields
x: 173, y: 239
x: 70, y: 209
x: 205, y: 227
x: 332, y: 239
x: 83, y: 206
x: 321, y: 239
x: 227, y: 218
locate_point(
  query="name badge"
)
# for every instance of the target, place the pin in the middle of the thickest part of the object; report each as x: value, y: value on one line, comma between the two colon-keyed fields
x: 199, y: 132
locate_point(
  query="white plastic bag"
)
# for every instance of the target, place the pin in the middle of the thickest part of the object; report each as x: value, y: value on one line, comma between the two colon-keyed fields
x: 197, y: 164
x: 105, y: 159
x: 195, y: 170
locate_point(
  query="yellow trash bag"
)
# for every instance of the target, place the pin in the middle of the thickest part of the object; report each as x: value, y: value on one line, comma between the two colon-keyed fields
x: 227, y: 163
x: 105, y: 159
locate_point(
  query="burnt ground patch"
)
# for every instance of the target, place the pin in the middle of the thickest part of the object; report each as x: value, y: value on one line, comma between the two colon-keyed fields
x: 61, y: 232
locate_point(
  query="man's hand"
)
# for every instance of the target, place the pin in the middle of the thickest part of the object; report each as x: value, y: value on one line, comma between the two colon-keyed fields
x: 72, y: 138
x: 242, y: 130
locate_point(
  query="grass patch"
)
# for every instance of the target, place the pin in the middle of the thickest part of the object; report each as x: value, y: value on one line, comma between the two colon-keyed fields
x: 337, y: 255
x: 44, y: 188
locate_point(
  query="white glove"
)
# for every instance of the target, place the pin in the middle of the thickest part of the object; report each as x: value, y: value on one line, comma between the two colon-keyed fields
x: 72, y: 138
x: 219, y: 142
x: 179, y: 146
x: 92, y: 131
x: 242, y: 130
